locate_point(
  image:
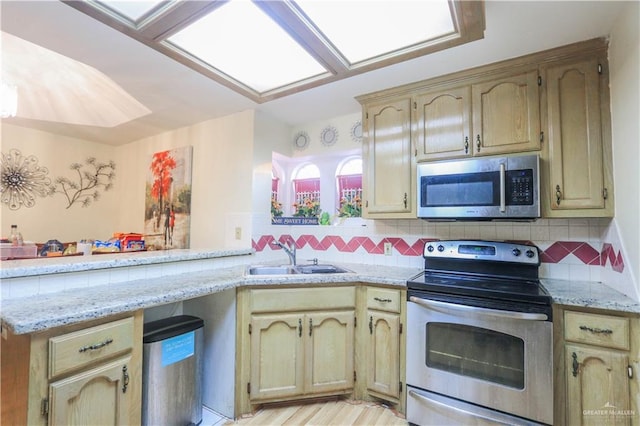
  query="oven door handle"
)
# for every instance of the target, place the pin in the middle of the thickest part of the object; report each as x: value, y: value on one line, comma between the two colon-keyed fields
x: 460, y: 410
x: 474, y: 310
x: 503, y: 189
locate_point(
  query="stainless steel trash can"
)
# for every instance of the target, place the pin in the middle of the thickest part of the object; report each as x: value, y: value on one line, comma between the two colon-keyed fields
x: 172, y: 371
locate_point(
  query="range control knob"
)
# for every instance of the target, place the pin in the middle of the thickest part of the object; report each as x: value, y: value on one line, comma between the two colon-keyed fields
x: 429, y: 248
x: 440, y: 248
x: 516, y: 252
x: 530, y: 253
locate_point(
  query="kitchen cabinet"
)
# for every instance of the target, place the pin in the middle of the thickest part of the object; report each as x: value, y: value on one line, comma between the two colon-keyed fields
x: 299, y: 343
x: 497, y: 116
x: 388, y: 160
x: 506, y: 114
x: 555, y: 102
x: 382, y: 354
x: 597, y: 384
x: 578, y: 177
x: 443, y: 120
x: 88, y: 373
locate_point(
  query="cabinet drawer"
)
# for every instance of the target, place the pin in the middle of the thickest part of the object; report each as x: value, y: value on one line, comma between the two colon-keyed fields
x: 594, y: 329
x: 383, y: 299
x: 81, y: 348
x: 302, y: 299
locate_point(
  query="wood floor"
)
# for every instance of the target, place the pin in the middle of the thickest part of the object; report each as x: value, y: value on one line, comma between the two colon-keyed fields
x: 340, y: 412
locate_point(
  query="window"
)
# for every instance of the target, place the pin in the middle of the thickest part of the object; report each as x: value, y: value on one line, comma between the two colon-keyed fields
x: 306, y: 191
x: 349, y: 185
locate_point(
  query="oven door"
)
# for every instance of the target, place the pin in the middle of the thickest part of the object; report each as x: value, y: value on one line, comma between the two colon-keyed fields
x: 497, y: 359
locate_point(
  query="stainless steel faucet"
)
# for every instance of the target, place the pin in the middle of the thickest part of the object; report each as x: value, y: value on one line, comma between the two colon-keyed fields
x: 289, y: 248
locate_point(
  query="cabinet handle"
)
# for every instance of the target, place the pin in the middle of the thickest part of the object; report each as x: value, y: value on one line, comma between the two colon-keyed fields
x: 596, y: 330
x: 558, y: 194
x: 125, y: 379
x: 478, y: 143
x: 371, y: 325
x: 377, y: 299
x: 299, y: 327
x: 466, y: 144
x: 574, y: 364
x: 96, y: 346
x: 405, y: 200
x: 310, y: 326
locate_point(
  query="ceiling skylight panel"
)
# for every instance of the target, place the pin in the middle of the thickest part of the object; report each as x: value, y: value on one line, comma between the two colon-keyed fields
x: 365, y: 29
x: 241, y: 41
x: 132, y: 9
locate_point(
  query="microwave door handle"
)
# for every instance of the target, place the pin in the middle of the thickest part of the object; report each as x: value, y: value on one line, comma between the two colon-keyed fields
x: 503, y: 205
x: 474, y: 310
x: 451, y: 406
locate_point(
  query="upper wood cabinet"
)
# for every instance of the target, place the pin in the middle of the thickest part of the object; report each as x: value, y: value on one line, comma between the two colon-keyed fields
x: 497, y: 116
x: 443, y: 120
x: 577, y: 177
x: 389, y: 164
x: 506, y: 114
x: 555, y: 102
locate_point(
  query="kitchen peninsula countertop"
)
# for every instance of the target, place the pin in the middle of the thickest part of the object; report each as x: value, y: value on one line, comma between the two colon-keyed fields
x: 36, y: 313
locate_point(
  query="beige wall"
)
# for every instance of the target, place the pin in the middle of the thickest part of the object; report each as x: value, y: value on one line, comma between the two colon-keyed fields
x: 222, y: 159
x: 221, y: 186
x: 50, y: 218
x: 624, y: 62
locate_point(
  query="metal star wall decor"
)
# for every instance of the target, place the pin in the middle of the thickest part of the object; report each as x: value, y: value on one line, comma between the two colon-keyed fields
x: 22, y: 180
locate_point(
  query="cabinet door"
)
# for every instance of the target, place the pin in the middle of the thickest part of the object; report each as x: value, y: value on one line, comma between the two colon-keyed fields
x: 277, y: 364
x: 330, y: 352
x: 576, y: 177
x: 388, y: 172
x: 597, y: 386
x: 383, y: 372
x: 506, y: 114
x: 443, y: 124
x: 95, y: 397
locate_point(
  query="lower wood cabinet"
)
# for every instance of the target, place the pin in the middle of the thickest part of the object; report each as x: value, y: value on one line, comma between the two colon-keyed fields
x: 307, y: 342
x: 84, y: 374
x: 382, y: 349
x: 96, y: 396
x: 301, y: 354
x: 596, y: 375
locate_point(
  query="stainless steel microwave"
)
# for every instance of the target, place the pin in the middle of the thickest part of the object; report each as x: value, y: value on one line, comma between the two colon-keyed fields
x: 487, y: 188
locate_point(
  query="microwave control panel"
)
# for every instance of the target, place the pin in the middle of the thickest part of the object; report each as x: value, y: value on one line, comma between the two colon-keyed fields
x: 519, y: 187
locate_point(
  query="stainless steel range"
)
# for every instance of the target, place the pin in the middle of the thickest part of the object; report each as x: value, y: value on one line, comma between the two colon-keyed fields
x: 479, y: 336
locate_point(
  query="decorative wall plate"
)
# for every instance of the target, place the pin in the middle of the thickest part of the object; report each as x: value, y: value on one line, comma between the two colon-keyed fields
x: 329, y: 136
x: 356, y: 131
x: 301, y: 140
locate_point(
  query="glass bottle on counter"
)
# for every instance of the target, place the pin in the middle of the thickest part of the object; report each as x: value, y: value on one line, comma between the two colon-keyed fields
x: 16, y: 236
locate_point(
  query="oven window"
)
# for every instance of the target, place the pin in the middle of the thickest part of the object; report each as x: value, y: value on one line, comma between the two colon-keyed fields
x: 476, y: 352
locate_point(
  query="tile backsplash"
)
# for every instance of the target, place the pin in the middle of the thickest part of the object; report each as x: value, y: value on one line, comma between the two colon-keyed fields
x: 570, y: 248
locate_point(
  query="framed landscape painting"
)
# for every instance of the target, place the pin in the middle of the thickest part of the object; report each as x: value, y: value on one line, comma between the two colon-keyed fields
x: 168, y: 199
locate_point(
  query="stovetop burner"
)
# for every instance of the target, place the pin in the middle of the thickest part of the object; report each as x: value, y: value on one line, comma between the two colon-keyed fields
x: 475, y: 270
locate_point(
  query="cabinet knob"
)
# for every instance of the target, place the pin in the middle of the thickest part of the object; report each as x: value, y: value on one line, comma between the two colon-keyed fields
x: 371, y: 325
x: 478, y: 143
x: 466, y: 144
x: 558, y: 194
x: 405, y: 200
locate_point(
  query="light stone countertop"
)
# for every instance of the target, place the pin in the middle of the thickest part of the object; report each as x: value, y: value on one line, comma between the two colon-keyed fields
x: 45, y: 311
x: 589, y: 294
x: 36, y: 313
x: 64, y: 264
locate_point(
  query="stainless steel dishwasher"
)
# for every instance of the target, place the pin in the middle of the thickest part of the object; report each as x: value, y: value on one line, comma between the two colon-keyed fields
x: 172, y: 373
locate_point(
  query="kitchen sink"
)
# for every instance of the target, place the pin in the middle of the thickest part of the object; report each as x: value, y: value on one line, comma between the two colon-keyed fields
x: 271, y: 270
x: 320, y: 269
x: 298, y: 269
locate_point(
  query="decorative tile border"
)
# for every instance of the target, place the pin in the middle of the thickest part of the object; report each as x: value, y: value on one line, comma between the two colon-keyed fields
x: 555, y: 253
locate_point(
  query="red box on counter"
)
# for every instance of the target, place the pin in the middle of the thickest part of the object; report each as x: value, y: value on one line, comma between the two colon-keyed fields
x: 130, y: 241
